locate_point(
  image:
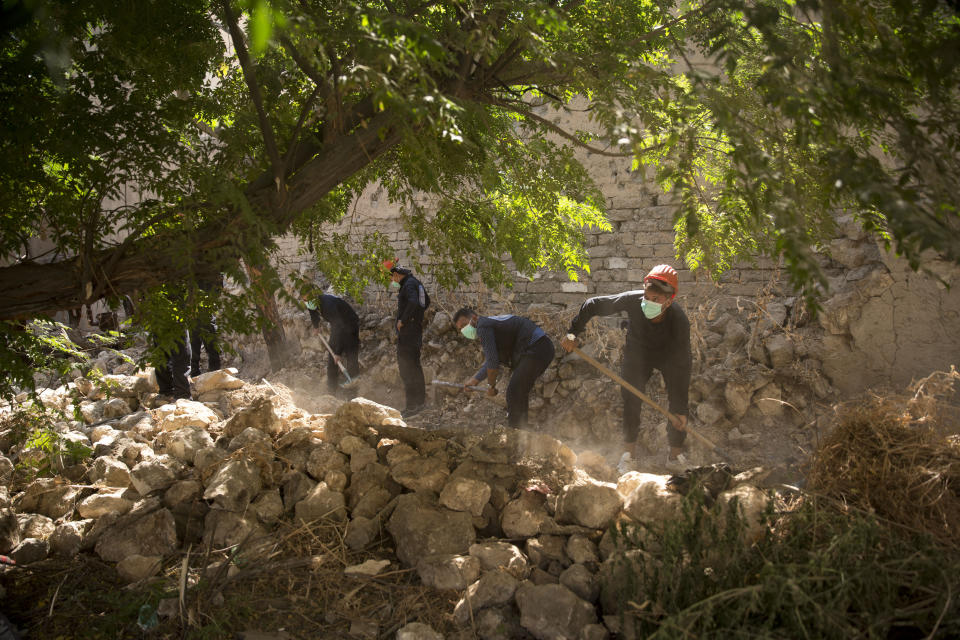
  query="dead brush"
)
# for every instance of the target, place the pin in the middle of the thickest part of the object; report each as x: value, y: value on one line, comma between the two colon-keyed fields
x: 889, y: 456
x: 298, y: 584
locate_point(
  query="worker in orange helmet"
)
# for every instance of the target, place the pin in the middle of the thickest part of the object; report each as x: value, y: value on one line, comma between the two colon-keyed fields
x: 658, y: 337
x: 412, y: 302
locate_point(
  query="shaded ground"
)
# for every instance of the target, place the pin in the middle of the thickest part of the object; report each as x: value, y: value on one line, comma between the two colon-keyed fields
x: 297, y: 590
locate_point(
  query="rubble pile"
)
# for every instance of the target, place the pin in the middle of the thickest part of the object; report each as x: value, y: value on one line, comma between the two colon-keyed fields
x: 515, y: 521
x: 756, y: 390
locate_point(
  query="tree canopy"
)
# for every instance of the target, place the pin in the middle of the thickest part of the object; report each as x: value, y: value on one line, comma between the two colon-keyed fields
x: 241, y: 120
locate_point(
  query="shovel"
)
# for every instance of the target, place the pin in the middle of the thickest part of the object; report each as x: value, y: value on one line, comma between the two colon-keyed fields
x: 350, y: 381
x: 457, y: 385
x: 640, y: 394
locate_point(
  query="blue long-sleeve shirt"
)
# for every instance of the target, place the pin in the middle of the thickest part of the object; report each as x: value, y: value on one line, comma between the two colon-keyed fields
x: 504, y: 340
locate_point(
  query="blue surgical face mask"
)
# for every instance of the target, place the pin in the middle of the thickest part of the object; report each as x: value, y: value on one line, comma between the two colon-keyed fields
x: 469, y: 332
x: 394, y: 284
x: 651, y: 309
x: 312, y: 305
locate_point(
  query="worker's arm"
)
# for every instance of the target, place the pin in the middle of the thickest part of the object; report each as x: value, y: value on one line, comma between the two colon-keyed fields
x: 603, y: 306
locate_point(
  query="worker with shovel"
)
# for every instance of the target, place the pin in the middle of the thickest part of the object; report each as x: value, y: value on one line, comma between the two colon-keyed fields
x: 344, y: 344
x: 510, y: 340
x: 412, y: 302
x: 658, y: 337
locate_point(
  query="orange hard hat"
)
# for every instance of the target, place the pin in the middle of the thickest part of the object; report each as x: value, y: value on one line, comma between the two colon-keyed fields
x: 667, y: 275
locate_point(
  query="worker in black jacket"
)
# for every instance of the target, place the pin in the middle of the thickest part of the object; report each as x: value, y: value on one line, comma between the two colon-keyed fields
x: 412, y: 302
x: 344, y: 335
x: 658, y: 337
x: 513, y: 341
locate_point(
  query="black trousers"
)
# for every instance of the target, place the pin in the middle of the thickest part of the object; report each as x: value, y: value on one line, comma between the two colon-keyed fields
x: 204, y: 334
x: 637, y: 369
x: 409, y: 344
x: 531, y: 366
x: 171, y: 368
x: 348, y: 348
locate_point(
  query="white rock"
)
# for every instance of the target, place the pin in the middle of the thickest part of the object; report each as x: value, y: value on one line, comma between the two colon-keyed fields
x: 551, y: 611
x: 417, y: 630
x: 223, y: 379
x: 465, y: 494
x: 105, y: 502
x: 321, y: 503
x: 501, y: 556
x: 592, y: 504
x: 493, y: 588
x: 448, y: 571
x: 234, y: 485
x: 369, y: 568
x: 154, y: 474
x: 109, y: 471
x: 186, y: 413
x: 184, y: 443
x: 651, y: 502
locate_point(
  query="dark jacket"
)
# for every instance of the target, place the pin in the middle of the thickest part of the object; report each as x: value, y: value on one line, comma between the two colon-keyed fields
x: 505, y: 339
x: 412, y: 301
x: 659, y: 343
x: 344, y: 322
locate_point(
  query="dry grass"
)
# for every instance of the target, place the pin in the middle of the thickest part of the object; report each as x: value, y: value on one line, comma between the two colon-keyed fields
x: 896, y: 457
x: 296, y: 583
x: 300, y: 586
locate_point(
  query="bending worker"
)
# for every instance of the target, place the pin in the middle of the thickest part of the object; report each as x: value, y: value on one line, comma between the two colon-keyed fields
x: 344, y: 335
x: 512, y: 340
x: 658, y: 337
x: 412, y: 302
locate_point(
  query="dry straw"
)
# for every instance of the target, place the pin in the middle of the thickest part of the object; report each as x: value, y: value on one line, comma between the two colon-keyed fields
x: 897, y: 457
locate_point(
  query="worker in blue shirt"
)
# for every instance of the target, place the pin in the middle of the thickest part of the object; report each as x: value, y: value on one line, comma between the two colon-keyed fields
x: 513, y: 341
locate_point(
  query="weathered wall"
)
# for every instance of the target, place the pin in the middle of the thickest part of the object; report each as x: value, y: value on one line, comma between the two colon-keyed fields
x: 883, y: 324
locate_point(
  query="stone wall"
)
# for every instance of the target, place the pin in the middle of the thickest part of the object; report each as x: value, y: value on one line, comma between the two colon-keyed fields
x: 882, y: 323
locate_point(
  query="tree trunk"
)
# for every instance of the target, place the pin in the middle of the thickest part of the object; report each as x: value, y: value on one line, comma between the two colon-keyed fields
x: 29, y: 289
x: 278, y: 348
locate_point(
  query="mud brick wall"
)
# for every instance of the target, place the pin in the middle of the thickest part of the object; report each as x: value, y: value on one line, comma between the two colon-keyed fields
x: 642, y: 237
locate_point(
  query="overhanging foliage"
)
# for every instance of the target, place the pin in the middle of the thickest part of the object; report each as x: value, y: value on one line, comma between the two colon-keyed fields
x: 236, y: 122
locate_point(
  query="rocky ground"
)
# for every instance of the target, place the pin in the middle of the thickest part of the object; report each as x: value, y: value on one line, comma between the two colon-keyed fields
x: 756, y: 392
x: 261, y: 489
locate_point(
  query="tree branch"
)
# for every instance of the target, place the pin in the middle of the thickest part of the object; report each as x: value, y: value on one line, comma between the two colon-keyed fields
x: 246, y: 65
x: 569, y: 136
x: 664, y: 28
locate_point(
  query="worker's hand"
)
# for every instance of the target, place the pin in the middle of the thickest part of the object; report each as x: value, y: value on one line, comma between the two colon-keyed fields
x: 680, y: 423
x: 399, y: 324
x: 470, y: 382
x: 569, y: 342
x: 337, y: 359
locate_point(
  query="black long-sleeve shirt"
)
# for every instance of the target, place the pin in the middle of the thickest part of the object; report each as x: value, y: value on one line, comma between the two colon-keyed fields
x: 412, y: 301
x: 504, y: 340
x: 661, y: 343
x: 344, y: 322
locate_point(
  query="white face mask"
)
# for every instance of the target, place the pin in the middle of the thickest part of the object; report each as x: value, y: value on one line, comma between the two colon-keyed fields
x: 469, y: 332
x: 651, y: 309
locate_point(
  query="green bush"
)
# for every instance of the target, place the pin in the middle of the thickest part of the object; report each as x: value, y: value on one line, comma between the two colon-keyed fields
x: 42, y: 450
x: 821, y: 572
